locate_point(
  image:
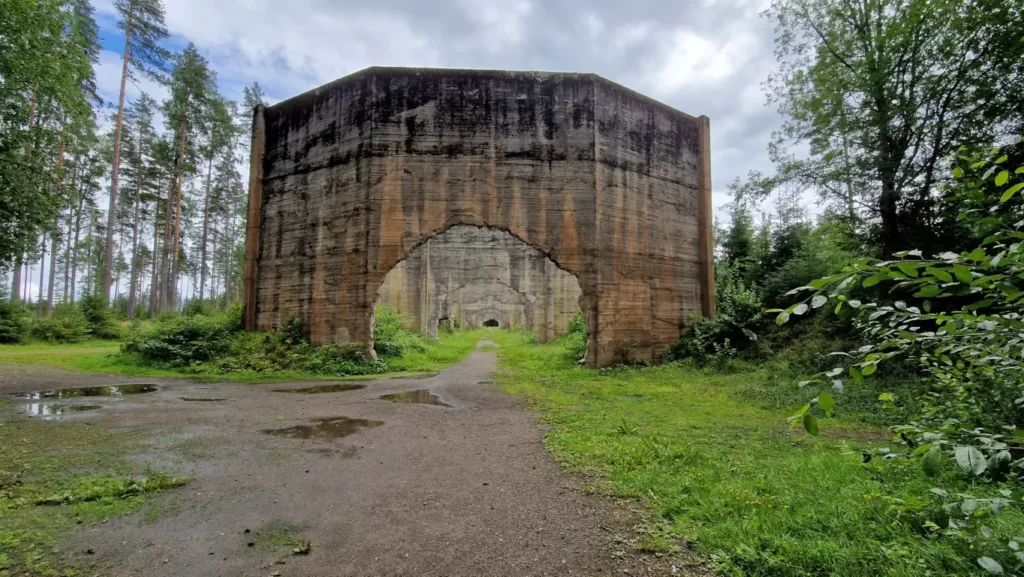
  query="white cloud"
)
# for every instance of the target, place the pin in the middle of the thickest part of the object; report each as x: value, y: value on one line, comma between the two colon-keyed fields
x: 698, y: 61
x: 499, y: 24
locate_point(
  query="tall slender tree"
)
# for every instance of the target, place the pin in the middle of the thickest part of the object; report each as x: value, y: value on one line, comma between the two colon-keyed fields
x: 192, y: 89
x: 220, y: 131
x: 144, y: 176
x: 143, y: 24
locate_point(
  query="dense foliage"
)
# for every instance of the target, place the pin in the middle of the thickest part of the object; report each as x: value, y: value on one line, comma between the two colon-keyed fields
x: 205, y: 342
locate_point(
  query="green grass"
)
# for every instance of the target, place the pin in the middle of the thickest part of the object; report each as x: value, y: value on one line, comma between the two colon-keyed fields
x: 45, y: 347
x: 450, y: 348
x: 728, y: 476
x: 55, y: 477
x: 105, y: 357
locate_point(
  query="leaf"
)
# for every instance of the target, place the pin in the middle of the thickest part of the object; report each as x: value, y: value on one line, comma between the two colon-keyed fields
x: 856, y: 374
x: 958, y: 172
x: 908, y: 269
x: 977, y: 255
x: 1002, y: 177
x: 1011, y: 191
x: 818, y: 283
x: 854, y: 303
x: 869, y: 369
x: 928, y: 291
x: 970, y: 460
x: 989, y: 564
x: 940, y: 274
x: 782, y: 318
x: 932, y: 462
x: 819, y: 301
x: 800, y: 309
x: 963, y: 274
x: 811, y: 424
x: 827, y: 403
x: 875, y: 279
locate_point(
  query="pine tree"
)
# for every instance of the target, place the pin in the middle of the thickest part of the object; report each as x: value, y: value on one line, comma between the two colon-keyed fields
x: 144, y: 176
x: 192, y: 89
x: 143, y: 24
x: 220, y: 138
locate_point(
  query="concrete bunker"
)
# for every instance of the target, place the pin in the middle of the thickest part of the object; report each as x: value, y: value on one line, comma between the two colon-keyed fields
x: 475, y: 277
x: 348, y: 179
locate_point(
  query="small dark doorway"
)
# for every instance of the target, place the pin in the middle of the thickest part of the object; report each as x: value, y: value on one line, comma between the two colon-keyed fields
x: 491, y: 323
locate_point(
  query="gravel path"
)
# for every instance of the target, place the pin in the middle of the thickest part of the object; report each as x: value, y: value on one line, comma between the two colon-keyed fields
x: 465, y: 490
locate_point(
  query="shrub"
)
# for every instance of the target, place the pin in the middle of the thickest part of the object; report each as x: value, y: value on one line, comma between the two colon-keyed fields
x: 180, y: 341
x: 99, y: 318
x: 66, y: 324
x: 14, y: 321
x: 575, y: 341
x: 342, y: 359
x: 712, y: 340
x: 390, y: 339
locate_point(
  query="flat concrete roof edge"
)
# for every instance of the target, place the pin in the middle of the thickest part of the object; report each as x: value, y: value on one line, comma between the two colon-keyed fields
x: 535, y: 74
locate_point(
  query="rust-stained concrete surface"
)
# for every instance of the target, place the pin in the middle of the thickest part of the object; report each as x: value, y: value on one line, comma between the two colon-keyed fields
x: 347, y: 180
x: 468, y: 276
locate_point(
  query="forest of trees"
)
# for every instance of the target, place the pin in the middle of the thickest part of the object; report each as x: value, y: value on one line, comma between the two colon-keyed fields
x: 166, y: 173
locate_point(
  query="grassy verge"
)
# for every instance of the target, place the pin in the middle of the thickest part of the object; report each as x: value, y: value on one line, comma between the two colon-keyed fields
x: 727, y: 475
x: 104, y: 357
x: 54, y: 478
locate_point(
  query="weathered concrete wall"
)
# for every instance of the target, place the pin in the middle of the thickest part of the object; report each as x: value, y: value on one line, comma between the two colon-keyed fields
x: 469, y: 275
x: 612, y: 186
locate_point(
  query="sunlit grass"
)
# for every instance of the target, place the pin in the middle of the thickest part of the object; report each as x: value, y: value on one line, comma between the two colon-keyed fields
x: 730, y: 477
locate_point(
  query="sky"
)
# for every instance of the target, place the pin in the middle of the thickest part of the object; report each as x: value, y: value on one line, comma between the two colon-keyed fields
x: 705, y: 57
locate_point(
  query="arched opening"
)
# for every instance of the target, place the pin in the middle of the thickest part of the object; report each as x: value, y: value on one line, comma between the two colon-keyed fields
x: 476, y: 276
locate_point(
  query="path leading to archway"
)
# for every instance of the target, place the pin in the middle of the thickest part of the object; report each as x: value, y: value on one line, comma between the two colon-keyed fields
x: 462, y: 490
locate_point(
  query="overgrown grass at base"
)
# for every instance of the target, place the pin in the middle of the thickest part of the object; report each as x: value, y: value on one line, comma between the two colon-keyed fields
x: 54, y: 478
x: 204, y: 347
x: 731, y: 478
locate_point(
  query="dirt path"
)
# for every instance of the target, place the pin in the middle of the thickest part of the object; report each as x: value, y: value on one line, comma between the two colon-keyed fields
x: 466, y: 490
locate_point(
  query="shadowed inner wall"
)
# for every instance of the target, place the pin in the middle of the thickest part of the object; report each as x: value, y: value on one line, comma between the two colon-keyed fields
x: 470, y: 276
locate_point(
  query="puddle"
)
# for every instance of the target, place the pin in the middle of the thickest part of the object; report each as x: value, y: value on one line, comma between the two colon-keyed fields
x: 335, y: 388
x: 201, y: 399
x: 332, y: 428
x: 108, y: 391
x: 422, y: 397
x: 52, y: 410
x: 413, y: 377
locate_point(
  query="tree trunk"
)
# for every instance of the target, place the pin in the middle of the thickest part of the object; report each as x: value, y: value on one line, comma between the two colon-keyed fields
x: 56, y: 221
x: 173, y: 292
x: 134, y: 280
x: 108, y: 261
x: 53, y: 273
x: 213, y: 268
x: 42, y: 272
x: 154, y: 285
x: 74, y: 254
x: 67, y: 259
x: 206, y: 228
x: 16, y: 280
x: 117, y: 283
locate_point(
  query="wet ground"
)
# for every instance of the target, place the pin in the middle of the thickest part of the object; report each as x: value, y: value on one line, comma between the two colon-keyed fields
x: 450, y: 478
